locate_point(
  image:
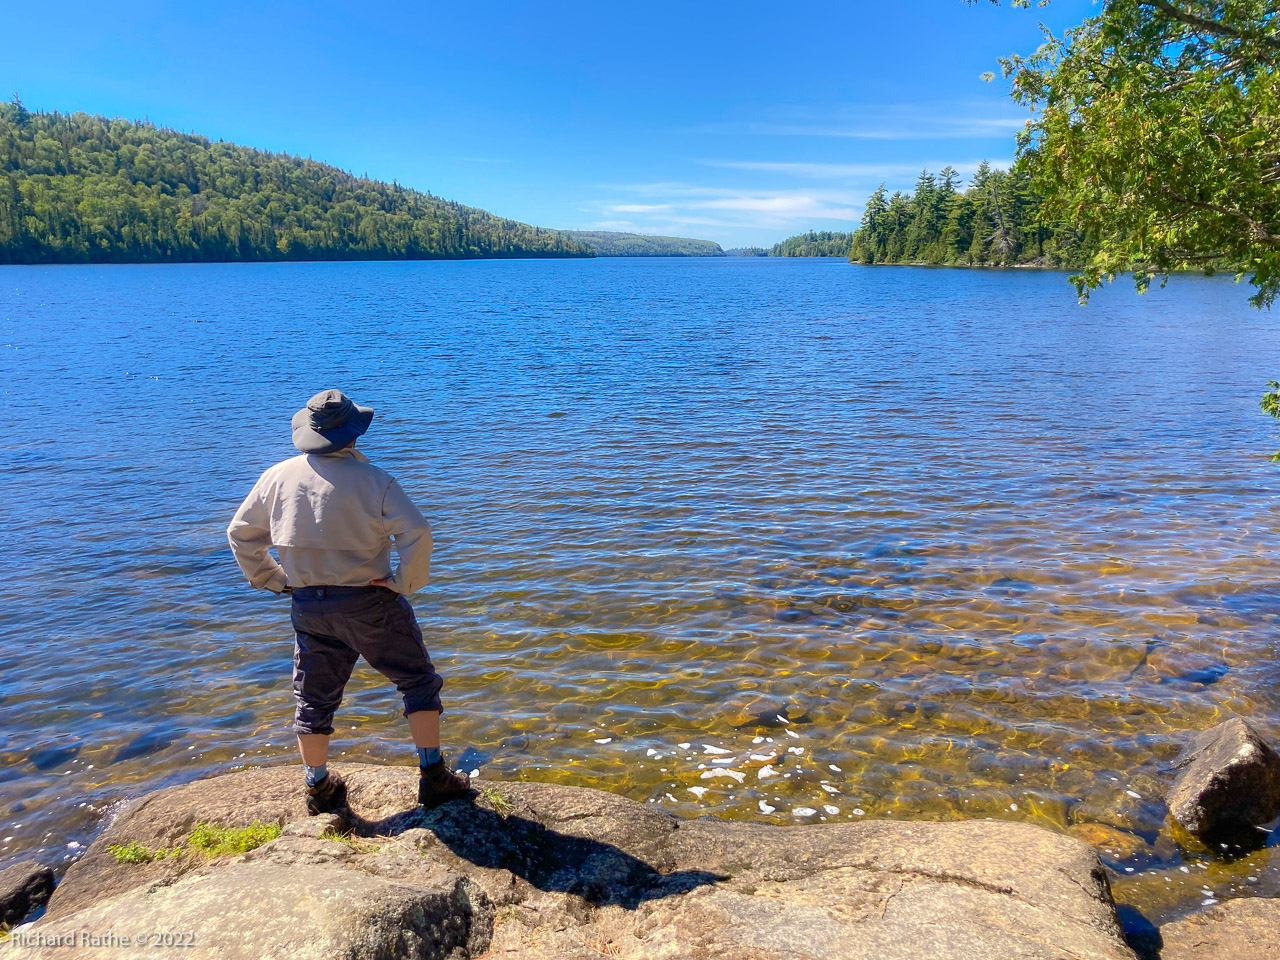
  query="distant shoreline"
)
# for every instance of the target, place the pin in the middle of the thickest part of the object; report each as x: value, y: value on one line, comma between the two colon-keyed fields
x: 972, y: 266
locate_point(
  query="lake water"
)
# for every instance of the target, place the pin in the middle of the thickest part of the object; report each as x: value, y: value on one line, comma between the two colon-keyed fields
x: 990, y: 553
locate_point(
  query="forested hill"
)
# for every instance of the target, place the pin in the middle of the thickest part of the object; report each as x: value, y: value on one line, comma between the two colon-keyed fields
x: 606, y: 243
x: 994, y: 221
x: 81, y: 188
x: 811, y: 244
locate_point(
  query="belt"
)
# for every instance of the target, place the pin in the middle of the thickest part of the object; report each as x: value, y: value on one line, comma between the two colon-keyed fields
x: 324, y: 590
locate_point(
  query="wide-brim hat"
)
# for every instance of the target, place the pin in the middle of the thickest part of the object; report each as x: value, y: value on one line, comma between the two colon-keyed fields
x: 329, y: 422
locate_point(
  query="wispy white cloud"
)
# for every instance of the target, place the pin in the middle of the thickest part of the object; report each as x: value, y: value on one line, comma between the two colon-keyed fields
x: 862, y: 172
x: 815, y: 171
x: 719, y: 212
x: 639, y: 207
x: 789, y: 206
x: 971, y: 128
x: 884, y: 122
x: 668, y: 226
x: 687, y: 193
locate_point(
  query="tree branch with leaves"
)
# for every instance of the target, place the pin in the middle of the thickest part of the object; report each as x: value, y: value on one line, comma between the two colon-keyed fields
x: 1156, y: 127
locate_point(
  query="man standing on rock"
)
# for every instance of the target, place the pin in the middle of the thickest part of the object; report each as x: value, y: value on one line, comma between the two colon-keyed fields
x: 332, y: 517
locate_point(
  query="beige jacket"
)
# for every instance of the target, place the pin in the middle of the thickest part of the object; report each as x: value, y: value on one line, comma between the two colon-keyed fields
x: 332, y: 519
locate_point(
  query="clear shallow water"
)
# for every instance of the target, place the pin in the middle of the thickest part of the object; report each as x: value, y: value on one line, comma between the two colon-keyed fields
x: 996, y: 554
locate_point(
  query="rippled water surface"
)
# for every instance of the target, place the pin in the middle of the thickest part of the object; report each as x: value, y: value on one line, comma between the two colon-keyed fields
x: 986, y: 553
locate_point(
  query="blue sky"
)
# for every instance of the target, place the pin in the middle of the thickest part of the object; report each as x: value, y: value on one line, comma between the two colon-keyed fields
x: 740, y: 122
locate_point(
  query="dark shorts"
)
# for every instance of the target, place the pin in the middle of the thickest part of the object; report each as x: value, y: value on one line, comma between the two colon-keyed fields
x: 335, y: 626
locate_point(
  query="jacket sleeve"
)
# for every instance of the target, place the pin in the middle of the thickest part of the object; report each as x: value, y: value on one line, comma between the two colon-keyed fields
x: 250, y: 537
x: 412, y: 536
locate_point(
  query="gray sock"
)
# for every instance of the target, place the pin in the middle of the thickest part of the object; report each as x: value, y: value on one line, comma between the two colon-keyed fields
x: 316, y: 774
x: 428, y: 756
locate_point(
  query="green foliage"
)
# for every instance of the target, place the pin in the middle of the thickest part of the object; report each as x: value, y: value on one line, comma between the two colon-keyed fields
x: 500, y: 802
x: 1156, y: 131
x: 606, y: 243
x: 135, y: 852
x: 351, y: 840
x: 205, y: 838
x: 811, y: 244
x: 1271, y: 406
x: 747, y: 252
x: 213, y: 841
x: 78, y: 188
x: 996, y: 221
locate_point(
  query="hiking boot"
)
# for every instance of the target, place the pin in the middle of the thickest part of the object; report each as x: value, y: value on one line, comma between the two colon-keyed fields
x: 327, y: 795
x: 437, y: 783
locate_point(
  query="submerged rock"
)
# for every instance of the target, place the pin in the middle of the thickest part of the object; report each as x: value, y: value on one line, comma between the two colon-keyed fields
x: 1119, y: 844
x: 759, y: 712
x: 24, y: 888
x: 46, y: 758
x: 1229, y: 781
x: 1235, y: 930
x: 532, y: 870
x: 1206, y: 675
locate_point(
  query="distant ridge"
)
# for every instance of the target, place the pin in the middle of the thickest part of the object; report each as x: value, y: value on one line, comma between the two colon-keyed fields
x: 77, y: 188
x: 607, y: 243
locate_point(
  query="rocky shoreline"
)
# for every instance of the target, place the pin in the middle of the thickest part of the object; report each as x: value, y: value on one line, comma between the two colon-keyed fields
x: 534, y: 871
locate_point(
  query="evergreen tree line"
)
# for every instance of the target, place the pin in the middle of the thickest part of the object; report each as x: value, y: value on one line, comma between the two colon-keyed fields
x: 995, y: 221
x: 824, y: 243
x: 78, y: 188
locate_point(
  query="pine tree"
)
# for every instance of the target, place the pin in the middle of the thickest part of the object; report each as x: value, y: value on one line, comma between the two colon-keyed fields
x: 869, y: 242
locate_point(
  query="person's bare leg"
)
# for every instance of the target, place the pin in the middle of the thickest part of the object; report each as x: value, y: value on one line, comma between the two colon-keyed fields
x: 424, y: 726
x: 314, y: 748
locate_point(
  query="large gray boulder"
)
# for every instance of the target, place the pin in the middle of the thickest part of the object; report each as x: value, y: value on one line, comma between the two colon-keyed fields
x: 1229, y: 781
x: 295, y: 899
x: 1235, y: 930
x: 24, y: 887
x: 532, y: 870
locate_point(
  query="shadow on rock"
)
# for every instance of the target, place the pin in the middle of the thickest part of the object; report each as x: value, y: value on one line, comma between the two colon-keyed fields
x: 600, y: 873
